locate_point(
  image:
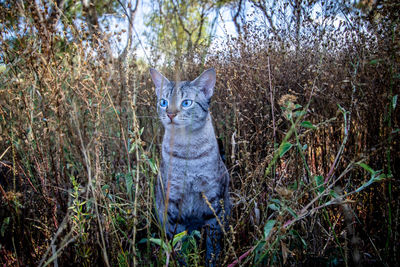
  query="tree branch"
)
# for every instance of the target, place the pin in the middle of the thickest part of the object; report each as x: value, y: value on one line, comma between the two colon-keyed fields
x: 131, y: 18
x: 261, y: 6
x: 235, y: 17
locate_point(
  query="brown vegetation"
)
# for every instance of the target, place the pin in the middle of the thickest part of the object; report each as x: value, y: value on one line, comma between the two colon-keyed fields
x: 310, y: 134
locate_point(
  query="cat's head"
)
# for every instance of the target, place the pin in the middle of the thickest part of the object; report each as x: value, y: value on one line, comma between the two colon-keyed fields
x: 184, y: 104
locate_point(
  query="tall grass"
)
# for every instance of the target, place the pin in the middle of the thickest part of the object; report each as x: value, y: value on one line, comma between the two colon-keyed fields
x: 306, y: 135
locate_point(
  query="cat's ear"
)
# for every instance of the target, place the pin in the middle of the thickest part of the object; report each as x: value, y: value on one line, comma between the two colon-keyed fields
x: 206, y: 82
x: 158, y: 79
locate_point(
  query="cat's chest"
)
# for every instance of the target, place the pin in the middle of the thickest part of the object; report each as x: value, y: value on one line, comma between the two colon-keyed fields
x: 199, y: 157
x: 190, y: 174
x: 192, y: 184
x: 191, y: 165
x: 190, y: 191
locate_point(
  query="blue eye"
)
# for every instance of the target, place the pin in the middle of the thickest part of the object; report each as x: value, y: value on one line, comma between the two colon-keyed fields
x: 163, y: 103
x: 186, y: 103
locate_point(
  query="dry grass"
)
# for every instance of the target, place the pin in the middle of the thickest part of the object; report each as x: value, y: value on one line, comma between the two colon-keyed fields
x: 304, y: 132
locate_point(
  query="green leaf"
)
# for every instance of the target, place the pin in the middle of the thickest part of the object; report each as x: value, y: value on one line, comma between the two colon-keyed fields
x: 297, y: 106
x: 129, y: 182
x: 275, y: 200
x: 284, y: 148
x: 367, y: 168
x: 133, y: 147
x: 375, y: 61
x: 178, y: 237
x: 333, y: 194
x: 273, y: 207
x: 155, y: 241
x: 342, y: 109
x: 294, y: 186
x: 374, y: 178
x: 3, y: 68
x: 4, y: 225
x: 394, y: 101
x: 165, y: 246
x: 153, y: 165
x: 307, y: 124
x: 319, y: 181
x: 295, y: 233
x: 142, y: 241
x: 105, y: 188
x: 258, y: 250
x: 292, y: 212
x: 268, y: 228
x: 196, y: 233
x: 300, y: 113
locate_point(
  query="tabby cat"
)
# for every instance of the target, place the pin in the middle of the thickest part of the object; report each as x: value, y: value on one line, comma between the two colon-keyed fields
x: 192, y: 172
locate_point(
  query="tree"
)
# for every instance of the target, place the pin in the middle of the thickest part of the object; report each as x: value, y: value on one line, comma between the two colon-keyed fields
x: 181, y: 28
x: 68, y: 20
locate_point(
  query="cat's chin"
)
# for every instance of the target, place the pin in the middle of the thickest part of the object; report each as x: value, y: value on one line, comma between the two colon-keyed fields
x: 173, y: 123
x: 177, y: 126
x: 170, y: 125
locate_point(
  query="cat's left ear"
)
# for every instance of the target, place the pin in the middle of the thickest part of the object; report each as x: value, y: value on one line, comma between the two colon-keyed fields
x: 206, y: 82
x: 158, y: 79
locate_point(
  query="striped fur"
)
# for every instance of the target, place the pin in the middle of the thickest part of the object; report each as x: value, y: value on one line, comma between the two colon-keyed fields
x: 191, y: 164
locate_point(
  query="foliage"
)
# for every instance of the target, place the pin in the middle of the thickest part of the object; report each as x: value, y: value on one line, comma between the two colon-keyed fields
x: 182, y: 245
x: 182, y: 28
x: 308, y: 124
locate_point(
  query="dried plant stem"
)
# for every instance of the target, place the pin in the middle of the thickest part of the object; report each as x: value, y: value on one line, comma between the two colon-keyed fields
x: 389, y: 149
x: 242, y: 257
x: 346, y: 128
x: 272, y: 101
x: 220, y: 224
x: 136, y: 130
x: 91, y: 185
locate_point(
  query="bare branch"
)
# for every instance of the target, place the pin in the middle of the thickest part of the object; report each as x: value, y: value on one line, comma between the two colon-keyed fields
x: 262, y: 6
x: 235, y: 17
x: 131, y: 18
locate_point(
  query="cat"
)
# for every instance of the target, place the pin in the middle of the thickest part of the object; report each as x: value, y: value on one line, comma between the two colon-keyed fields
x: 192, y: 172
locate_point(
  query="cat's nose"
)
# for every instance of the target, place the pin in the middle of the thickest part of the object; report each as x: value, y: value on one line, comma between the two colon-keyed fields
x: 171, y: 115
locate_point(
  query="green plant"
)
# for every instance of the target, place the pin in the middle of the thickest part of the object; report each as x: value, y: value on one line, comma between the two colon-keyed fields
x: 183, y: 246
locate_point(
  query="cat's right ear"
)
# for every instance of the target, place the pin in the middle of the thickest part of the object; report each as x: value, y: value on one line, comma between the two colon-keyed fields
x: 206, y: 82
x: 158, y: 79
